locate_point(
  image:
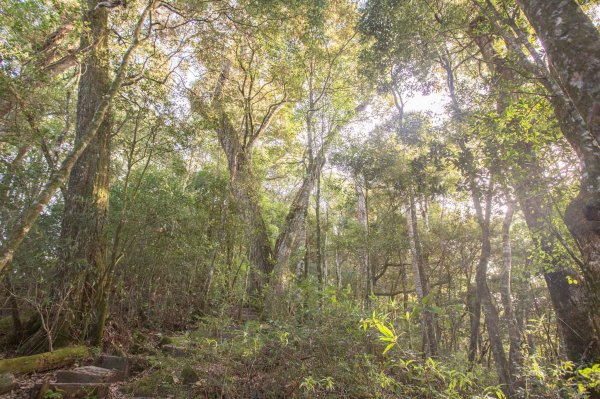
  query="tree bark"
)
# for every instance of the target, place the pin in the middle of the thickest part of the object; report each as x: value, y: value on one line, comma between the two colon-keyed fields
x: 474, y: 306
x: 319, y: 249
x: 572, y: 44
x: 83, y: 233
x: 295, y: 220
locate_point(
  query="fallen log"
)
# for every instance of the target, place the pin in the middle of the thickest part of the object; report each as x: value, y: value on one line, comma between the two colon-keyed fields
x: 44, y: 361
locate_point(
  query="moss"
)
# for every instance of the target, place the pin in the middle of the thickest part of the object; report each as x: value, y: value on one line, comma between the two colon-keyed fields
x: 157, y: 383
x: 177, y: 341
x: 44, y: 361
x: 188, y: 375
x: 6, y: 324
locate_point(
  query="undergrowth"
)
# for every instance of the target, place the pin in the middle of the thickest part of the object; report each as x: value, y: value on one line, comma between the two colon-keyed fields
x: 330, y: 349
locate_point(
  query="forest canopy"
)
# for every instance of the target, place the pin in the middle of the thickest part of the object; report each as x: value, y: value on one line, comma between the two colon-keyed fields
x: 329, y: 198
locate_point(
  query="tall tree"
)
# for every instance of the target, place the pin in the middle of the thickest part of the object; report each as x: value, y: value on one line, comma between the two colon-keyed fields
x: 83, y: 257
x: 27, y: 219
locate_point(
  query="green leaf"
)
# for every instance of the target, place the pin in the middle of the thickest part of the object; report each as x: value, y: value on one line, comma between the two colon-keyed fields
x: 384, y: 330
x: 387, y: 348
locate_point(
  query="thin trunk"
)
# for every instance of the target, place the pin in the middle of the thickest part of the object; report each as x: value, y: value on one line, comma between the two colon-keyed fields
x: 492, y: 320
x: 363, y: 220
x: 301, y: 239
x: 421, y: 278
x: 319, y: 254
x: 338, y: 268
x: 14, y: 308
x: 515, y: 356
x: 324, y: 248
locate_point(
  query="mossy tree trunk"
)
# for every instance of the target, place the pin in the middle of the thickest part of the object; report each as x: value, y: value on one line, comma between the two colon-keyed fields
x: 83, y: 258
x: 44, y: 361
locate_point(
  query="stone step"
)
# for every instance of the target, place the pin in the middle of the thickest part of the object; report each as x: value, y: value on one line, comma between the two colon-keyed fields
x: 113, y: 363
x: 72, y: 390
x: 89, y: 374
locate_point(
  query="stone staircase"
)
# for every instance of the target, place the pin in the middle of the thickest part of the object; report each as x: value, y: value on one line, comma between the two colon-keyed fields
x: 86, y: 381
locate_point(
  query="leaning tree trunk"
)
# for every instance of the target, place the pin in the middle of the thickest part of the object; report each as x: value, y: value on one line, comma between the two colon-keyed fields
x: 572, y: 43
x: 295, y: 224
x: 83, y: 235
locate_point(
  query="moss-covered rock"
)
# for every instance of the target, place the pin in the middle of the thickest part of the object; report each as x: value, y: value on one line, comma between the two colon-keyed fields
x: 7, y: 383
x: 188, y: 375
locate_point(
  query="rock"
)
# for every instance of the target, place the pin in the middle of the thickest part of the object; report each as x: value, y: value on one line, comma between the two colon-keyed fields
x: 7, y: 383
x: 88, y: 374
x: 118, y: 363
x: 189, y: 375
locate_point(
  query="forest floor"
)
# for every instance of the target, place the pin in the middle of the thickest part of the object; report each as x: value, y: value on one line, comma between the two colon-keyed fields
x: 226, y: 358
x: 329, y: 356
x: 332, y: 353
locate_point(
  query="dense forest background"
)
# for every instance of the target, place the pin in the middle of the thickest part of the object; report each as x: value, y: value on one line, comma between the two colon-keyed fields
x: 329, y: 198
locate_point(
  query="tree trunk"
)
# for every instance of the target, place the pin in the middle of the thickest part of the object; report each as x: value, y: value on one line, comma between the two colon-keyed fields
x: 474, y: 306
x: 363, y: 220
x: 572, y: 44
x: 245, y: 189
x: 420, y: 277
x: 44, y: 361
x: 295, y: 221
x: 515, y: 356
x: 568, y: 300
x: 492, y: 321
x: 18, y: 233
x: 319, y: 249
x: 83, y: 234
